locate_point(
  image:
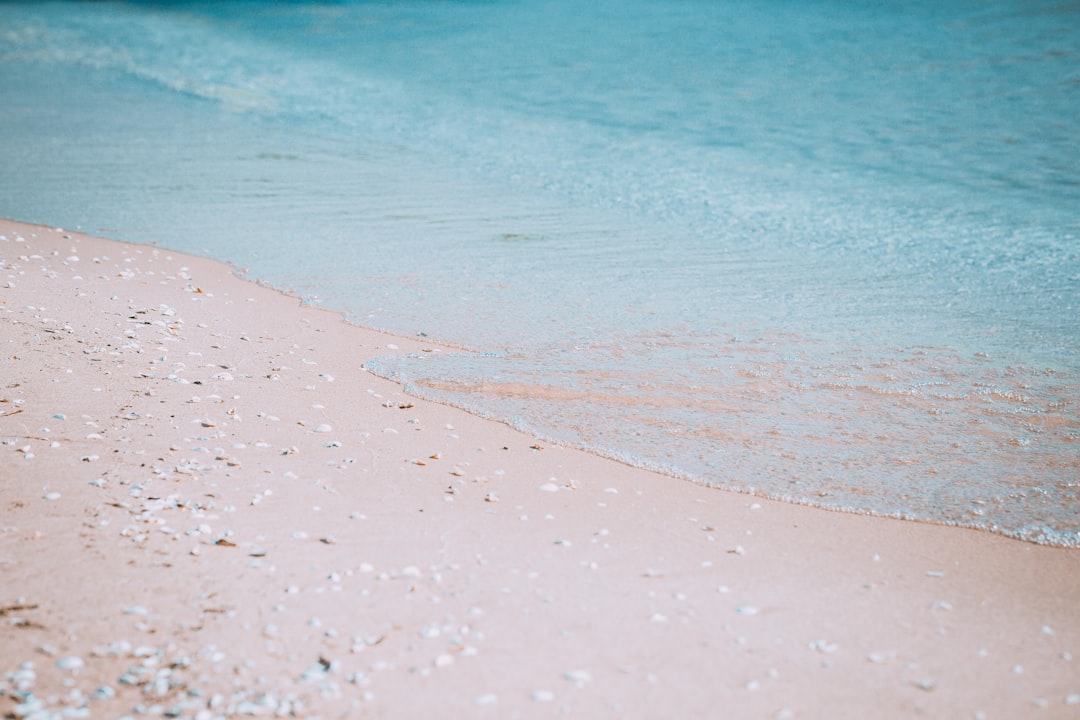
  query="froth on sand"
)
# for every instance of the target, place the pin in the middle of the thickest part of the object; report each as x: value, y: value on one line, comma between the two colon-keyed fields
x: 208, y: 508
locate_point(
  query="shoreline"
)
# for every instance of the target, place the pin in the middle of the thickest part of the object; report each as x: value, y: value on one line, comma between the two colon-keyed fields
x: 223, y: 493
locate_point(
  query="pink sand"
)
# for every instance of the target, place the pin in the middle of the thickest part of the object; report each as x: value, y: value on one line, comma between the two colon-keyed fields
x: 209, y: 508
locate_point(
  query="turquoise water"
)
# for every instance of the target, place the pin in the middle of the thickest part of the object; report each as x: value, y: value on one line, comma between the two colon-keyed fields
x: 825, y: 251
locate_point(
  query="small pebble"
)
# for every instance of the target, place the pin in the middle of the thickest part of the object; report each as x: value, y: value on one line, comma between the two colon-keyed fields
x: 578, y: 677
x: 69, y: 663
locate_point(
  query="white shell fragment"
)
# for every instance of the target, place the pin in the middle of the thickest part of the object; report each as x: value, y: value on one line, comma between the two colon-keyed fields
x: 69, y: 663
x: 578, y: 677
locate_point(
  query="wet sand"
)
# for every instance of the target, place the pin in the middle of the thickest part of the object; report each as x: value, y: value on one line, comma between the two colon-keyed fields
x: 208, y: 508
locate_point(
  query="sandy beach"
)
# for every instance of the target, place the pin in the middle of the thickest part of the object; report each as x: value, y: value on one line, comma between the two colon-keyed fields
x: 210, y: 509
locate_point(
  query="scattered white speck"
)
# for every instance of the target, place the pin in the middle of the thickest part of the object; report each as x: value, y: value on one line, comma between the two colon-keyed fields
x: 549, y: 487
x: 658, y: 618
x: 444, y: 660
x: 543, y: 696
x: 69, y: 663
x: 324, y: 428
x: 51, y: 496
x: 746, y: 610
x: 488, y: 699
x: 824, y: 647
x: 1072, y: 699
x: 578, y: 677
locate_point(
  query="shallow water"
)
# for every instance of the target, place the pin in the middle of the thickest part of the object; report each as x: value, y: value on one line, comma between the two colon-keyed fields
x: 819, y: 251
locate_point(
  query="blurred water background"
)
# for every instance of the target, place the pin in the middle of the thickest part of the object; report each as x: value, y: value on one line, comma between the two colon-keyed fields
x: 821, y: 251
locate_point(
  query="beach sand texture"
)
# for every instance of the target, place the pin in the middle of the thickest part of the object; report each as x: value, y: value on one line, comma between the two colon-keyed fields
x: 208, y: 508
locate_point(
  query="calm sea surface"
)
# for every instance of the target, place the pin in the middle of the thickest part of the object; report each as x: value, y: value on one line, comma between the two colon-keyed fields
x: 821, y: 251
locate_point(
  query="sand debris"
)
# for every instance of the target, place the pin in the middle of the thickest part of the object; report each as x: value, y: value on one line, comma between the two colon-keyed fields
x: 579, y: 678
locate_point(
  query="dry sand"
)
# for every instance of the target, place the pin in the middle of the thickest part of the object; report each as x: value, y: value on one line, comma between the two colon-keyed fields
x: 208, y: 508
